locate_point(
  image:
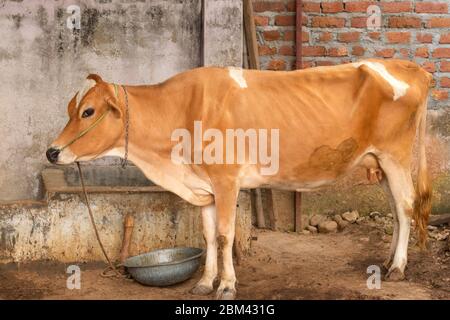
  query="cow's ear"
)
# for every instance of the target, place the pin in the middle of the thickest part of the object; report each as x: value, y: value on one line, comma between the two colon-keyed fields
x: 112, y: 103
x: 95, y: 77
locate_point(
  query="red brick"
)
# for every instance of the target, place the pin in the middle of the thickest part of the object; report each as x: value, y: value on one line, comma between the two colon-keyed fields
x: 325, y: 63
x: 311, y: 7
x: 304, y: 20
x: 405, y: 22
x: 441, y: 53
x: 325, y: 36
x: 271, y: 35
x: 285, y: 20
x: 287, y: 51
x: 445, y: 38
x: 358, y: 51
x: 439, y: 23
x: 277, y: 65
x: 328, y: 22
x: 349, y: 36
x: 424, y: 37
x: 359, y: 22
x: 374, y: 35
x: 445, y: 82
x: 429, y: 66
x: 396, y: 7
x: 404, y: 53
x: 439, y: 95
x: 332, y: 7
x: 307, y: 64
x: 313, y: 51
x: 422, y: 52
x: 291, y: 6
x: 357, y: 6
x: 261, y: 21
x: 431, y: 7
x: 305, y: 36
x: 385, y: 53
x: 290, y: 35
x: 338, y: 52
x: 261, y: 6
x: 266, y: 50
x: 398, y: 37
x: 445, y: 66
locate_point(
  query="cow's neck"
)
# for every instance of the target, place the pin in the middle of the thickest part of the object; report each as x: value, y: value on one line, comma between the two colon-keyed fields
x: 154, y: 114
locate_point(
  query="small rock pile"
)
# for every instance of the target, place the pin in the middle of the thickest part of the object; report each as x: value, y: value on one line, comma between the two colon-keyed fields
x: 330, y: 224
x: 439, y: 234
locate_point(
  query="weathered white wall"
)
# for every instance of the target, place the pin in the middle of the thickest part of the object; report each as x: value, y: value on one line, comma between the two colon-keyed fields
x: 42, y: 64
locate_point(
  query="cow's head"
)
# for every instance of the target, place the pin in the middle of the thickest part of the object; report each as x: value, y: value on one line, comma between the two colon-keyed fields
x: 95, y: 124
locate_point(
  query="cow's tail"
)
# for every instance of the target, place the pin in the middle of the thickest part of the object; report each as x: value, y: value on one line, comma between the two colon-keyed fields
x: 422, y: 204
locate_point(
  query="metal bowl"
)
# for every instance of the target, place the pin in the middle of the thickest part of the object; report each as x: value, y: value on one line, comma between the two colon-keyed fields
x: 164, y: 267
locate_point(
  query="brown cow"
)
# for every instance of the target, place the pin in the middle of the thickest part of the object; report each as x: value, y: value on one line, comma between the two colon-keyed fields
x: 323, y: 122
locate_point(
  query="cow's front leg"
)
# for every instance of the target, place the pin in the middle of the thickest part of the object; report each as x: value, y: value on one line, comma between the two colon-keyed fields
x: 205, y: 285
x: 226, y: 200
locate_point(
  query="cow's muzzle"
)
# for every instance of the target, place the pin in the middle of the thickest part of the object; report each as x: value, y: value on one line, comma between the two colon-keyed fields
x: 52, y: 154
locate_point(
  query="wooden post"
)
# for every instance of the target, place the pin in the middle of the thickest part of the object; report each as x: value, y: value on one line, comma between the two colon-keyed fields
x: 253, y: 59
x: 298, y: 221
x: 298, y: 34
x: 260, y: 220
x: 298, y: 225
x: 250, y: 35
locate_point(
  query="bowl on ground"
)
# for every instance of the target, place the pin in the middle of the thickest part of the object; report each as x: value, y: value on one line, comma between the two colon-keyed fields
x: 164, y: 267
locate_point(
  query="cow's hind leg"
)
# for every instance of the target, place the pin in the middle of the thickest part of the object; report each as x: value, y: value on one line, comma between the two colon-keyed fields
x: 402, y: 190
x: 205, y: 285
x: 385, y: 185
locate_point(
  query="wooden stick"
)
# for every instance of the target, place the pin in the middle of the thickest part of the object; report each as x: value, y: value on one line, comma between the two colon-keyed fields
x: 260, y: 220
x: 128, y: 225
x: 298, y: 34
x: 436, y: 220
x: 298, y: 222
x: 250, y: 35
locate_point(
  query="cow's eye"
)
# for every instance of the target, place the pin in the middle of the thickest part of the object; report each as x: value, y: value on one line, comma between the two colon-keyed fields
x: 87, y: 113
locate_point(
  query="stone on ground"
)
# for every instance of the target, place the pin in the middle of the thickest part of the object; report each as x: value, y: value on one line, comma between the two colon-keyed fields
x: 316, y: 220
x: 350, y: 216
x: 311, y: 229
x: 328, y: 226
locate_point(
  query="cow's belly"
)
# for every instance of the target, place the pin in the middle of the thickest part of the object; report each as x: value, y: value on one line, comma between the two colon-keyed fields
x: 307, y: 176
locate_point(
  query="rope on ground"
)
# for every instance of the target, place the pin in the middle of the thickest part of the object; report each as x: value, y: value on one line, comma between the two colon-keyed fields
x: 111, y: 270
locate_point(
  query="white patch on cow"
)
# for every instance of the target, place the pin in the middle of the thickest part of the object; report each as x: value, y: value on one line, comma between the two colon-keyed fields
x: 88, y: 84
x: 237, y: 74
x: 398, y: 86
x: 114, y: 152
x: 66, y: 156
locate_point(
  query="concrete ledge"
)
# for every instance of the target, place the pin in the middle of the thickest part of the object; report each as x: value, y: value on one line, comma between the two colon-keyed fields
x: 60, y: 229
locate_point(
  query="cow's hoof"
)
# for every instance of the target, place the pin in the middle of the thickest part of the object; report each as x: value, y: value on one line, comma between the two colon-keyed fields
x: 226, y: 294
x: 387, y: 264
x: 201, y: 290
x: 394, y: 275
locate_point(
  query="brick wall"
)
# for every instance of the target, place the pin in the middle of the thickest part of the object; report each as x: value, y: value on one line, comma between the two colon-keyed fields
x: 336, y: 32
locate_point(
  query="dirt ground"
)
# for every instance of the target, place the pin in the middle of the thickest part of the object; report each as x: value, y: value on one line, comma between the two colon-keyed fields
x: 281, y: 266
